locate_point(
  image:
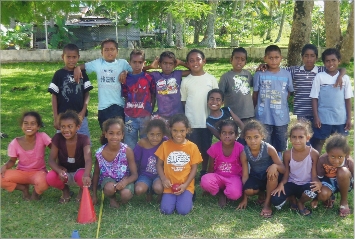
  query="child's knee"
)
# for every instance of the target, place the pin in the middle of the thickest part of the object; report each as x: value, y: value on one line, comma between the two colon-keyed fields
x: 343, y: 173
x: 324, y: 194
x: 78, y: 177
x: 126, y: 194
x: 109, y: 189
x: 139, y: 190
x: 183, y: 210
x: 250, y: 192
x: 158, y: 188
x: 52, y: 177
x: 166, y: 209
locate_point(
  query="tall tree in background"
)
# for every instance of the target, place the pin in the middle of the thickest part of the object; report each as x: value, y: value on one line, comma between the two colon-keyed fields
x: 300, y: 32
x: 332, y: 24
x: 347, y: 45
x: 209, y: 39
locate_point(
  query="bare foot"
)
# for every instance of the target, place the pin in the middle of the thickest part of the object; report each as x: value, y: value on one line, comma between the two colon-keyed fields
x: 80, y: 193
x: 261, y: 198
x: 35, y: 196
x: 314, y: 203
x: 222, y: 200
x: 26, y: 192
x: 114, y: 203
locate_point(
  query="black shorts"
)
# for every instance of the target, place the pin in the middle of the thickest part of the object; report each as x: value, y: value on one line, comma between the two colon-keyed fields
x: 257, y: 181
x: 202, y: 137
x: 111, y: 112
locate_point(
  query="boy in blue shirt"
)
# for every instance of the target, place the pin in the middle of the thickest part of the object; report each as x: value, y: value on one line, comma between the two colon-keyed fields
x: 107, y: 70
x: 271, y: 91
x: 331, y: 105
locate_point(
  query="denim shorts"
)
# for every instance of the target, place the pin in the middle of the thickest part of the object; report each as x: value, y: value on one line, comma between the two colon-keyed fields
x: 277, y: 136
x: 129, y: 186
x: 326, y: 130
x: 134, y: 130
x: 110, y: 112
x: 148, y: 181
x: 332, y: 184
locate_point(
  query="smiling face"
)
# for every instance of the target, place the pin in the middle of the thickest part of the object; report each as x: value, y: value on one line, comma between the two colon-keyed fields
x: 68, y: 128
x: 109, y: 52
x: 30, y: 125
x: 336, y: 157
x: 196, y: 63
x: 114, y: 134
x: 155, y: 136
x: 178, y: 132
x: 137, y: 62
x: 238, y: 61
x: 70, y: 59
x: 228, y: 135
x: 331, y: 62
x: 214, y: 101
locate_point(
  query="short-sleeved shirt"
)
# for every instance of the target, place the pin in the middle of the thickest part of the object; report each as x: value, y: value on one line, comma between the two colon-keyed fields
x: 212, y: 121
x: 331, y: 100
x: 272, y: 106
x: 70, y: 95
x: 194, y: 91
x: 168, y: 93
x: 223, y: 165
x: 302, y: 84
x: 71, y: 164
x: 178, y: 159
x: 261, y: 162
x: 138, y: 91
x: 146, y: 160
x: 325, y: 168
x: 237, y: 93
x: 109, y: 87
x: 30, y: 160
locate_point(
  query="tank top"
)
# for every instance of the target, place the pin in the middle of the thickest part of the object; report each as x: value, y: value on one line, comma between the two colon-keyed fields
x: 260, y: 163
x: 300, y: 171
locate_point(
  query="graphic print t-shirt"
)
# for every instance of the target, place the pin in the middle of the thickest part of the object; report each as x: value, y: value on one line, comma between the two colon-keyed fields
x: 70, y: 95
x: 178, y: 159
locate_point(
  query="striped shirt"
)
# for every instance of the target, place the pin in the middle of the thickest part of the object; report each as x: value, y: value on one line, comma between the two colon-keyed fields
x: 302, y: 84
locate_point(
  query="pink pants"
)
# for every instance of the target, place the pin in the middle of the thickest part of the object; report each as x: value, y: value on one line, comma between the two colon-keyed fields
x: 53, y: 179
x: 232, y: 185
x: 13, y: 177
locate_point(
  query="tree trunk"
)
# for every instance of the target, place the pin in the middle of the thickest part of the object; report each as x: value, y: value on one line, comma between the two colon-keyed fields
x: 300, y: 31
x: 268, y: 33
x: 179, y: 35
x: 210, y: 41
x: 347, y: 46
x: 234, y: 41
x: 332, y: 24
x: 281, y: 25
x: 197, y: 30
x: 170, y: 39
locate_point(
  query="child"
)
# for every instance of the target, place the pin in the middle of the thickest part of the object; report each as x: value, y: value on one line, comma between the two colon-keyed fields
x: 336, y: 171
x: 331, y: 105
x: 265, y: 167
x: 66, y: 93
x: 215, y: 99
x: 148, y: 179
x: 177, y: 165
x: 271, y: 91
x: 29, y: 150
x: 225, y: 169
x: 236, y: 83
x: 70, y: 157
x: 194, y: 89
x: 300, y: 177
x: 138, y: 92
x: 107, y: 70
x: 115, y: 168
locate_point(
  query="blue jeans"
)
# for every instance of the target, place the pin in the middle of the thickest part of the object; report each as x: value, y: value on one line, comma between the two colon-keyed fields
x: 133, y: 128
x: 182, y: 203
x: 277, y: 136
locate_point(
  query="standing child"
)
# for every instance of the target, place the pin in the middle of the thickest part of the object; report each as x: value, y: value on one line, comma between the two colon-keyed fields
x: 271, y: 91
x: 29, y: 150
x: 139, y: 92
x: 70, y: 157
x: 215, y: 99
x: 331, y: 105
x: 265, y: 167
x: 148, y: 180
x: 115, y: 168
x: 225, y: 169
x: 300, y: 178
x: 68, y: 94
x: 107, y: 70
x: 177, y: 167
x: 336, y: 171
x: 236, y: 83
x: 194, y: 89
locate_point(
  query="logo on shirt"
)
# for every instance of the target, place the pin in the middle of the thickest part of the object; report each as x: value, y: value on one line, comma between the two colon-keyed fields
x: 225, y: 167
x: 167, y: 87
x: 241, y: 84
x: 151, y: 165
x: 178, y: 159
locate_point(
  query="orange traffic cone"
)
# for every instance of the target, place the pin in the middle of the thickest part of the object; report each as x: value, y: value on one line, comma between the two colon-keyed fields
x: 86, y: 211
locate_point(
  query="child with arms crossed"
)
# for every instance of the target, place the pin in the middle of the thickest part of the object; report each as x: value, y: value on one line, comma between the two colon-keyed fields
x: 177, y: 164
x: 70, y: 157
x: 148, y: 180
x: 265, y: 167
x: 336, y: 172
x: 300, y: 178
x: 29, y: 150
x: 115, y: 168
x: 224, y: 174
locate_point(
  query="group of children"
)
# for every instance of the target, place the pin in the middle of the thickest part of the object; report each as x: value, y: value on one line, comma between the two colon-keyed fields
x: 162, y: 149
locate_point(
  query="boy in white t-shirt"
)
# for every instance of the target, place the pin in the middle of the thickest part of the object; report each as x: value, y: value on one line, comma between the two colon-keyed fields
x: 194, y: 90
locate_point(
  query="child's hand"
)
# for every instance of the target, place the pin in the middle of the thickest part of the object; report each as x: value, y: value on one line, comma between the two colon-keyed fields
x: 243, y: 204
x: 121, y: 184
x: 3, y: 169
x: 278, y: 190
x: 122, y: 77
x: 166, y: 183
x: 63, y: 174
x: 56, y: 123
x: 339, y: 82
x: 77, y: 74
x: 316, y: 122
x: 155, y: 63
x: 316, y: 186
x: 262, y: 67
x: 272, y: 172
x: 181, y: 188
x: 86, y: 181
x: 347, y: 125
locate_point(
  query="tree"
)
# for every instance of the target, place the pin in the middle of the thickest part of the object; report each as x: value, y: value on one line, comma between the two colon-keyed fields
x: 300, y: 31
x: 209, y: 39
x: 347, y: 45
x: 332, y: 24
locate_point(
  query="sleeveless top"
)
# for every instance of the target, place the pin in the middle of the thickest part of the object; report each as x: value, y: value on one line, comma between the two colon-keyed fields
x: 260, y: 163
x: 117, y: 168
x: 300, y: 171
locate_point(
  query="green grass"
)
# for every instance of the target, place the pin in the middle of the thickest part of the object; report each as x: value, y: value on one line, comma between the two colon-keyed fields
x: 24, y: 86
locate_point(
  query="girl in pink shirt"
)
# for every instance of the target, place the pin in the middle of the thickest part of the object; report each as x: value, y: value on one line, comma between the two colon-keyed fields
x: 225, y: 169
x: 29, y: 150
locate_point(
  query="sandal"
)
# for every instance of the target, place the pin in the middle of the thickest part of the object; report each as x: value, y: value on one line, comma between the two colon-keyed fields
x: 304, y: 212
x: 293, y: 207
x: 266, y: 213
x: 344, y: 211
x: 330, y: 202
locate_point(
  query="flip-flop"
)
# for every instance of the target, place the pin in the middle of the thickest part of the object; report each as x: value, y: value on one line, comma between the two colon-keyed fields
x: 304, y: 212
x: 293, y: 207
x: 343, y: 211
x: 266, y: 213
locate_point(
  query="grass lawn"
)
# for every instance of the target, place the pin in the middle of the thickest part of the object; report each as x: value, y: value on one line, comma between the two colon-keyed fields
x: 24, y: 87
